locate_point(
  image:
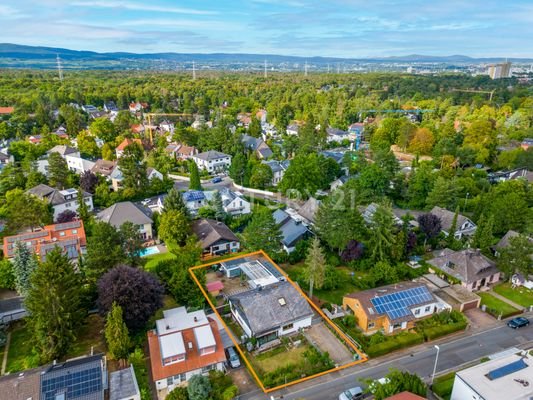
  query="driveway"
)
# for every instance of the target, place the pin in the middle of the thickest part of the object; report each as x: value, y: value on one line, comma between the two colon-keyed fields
x: 242, y: 379
x: 480, y: 320
x: 327, y: 341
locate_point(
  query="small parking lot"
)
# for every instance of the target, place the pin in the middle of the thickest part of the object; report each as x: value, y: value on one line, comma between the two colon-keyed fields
x: 327, y: 341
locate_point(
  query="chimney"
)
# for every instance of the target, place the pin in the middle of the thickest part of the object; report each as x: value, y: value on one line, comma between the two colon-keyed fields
x: 195, y: 319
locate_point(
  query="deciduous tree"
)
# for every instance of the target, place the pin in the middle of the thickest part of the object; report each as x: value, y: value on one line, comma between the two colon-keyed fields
x: 174, y: 227
x: 262, y: 232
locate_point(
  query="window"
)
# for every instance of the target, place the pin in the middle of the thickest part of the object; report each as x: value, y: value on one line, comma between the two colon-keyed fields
x: 287, y: 327
x: 209, y: 368
x: 427, y: 309
x: 397, y: 326
x: 61, y: 233
x: 371, y: 325
x: 417, y: 311
x: 170, y: 381
x: 67, y: 204
x: 74, y: 231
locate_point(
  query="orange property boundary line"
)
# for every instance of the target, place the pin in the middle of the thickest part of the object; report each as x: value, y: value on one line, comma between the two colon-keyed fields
x: 362, y: 357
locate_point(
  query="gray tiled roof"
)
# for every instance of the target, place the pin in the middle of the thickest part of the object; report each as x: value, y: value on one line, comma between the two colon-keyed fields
x: 446, y: 218
x: 467, y: 265
x: 211, y: 155
x: 21, y: 386
x: 263, y: 311
x: 62, y: 149
x: 125, y: 211
x: 210, y: 231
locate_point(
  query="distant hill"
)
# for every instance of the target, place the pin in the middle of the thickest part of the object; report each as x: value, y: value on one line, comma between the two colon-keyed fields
x: 14, y: 55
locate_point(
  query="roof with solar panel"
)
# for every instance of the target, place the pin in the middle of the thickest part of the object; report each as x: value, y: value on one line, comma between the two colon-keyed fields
x: 396, y: 301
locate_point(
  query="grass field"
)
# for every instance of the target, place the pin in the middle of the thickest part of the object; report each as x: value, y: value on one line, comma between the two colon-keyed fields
x: 152, y: 260
x: 19, y: 356
x: 496, y: 306
x: 269, y: 362
x: 519, y: 295
x: 443, y: 385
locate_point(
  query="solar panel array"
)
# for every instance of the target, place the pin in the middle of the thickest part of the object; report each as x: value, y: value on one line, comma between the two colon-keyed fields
x: 74, y: 384
x: 193, y: 195
x: 507, y: 369
x: 398, y: 305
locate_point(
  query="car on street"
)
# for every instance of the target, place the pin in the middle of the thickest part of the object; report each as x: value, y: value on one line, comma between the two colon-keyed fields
x: 518, y: 322
x: 216, y: 179
x: 354, y: 393
x: 233, y: 357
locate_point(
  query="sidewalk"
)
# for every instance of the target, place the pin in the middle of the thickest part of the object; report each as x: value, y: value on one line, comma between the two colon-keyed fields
x: 506, y: 300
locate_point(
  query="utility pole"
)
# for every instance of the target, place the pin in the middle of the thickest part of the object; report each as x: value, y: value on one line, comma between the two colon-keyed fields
x: 328, y: 68
x: 436, y: 360
x: 338, y: 68
x: 305, y: 73
x: 193, y: 71
x: 59, y: 68
x: 265, y: 73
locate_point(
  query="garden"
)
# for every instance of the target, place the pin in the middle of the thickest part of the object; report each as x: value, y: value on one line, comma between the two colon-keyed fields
x: 520, y: 295
x: 496, y: 307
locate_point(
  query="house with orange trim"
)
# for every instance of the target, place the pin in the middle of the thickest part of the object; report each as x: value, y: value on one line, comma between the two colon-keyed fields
x: 125, y: 143
x: 69, y: 236
x: 184, y: 344
x: 392, y: 308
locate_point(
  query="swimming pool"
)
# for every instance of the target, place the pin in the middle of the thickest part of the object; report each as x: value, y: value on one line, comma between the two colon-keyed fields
x: 149, y: 251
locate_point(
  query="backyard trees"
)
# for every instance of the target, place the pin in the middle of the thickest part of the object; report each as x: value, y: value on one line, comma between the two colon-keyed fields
x: 26, y: 211
x: 53, y: 303
x: 483, y: 237
x: 261, y: 176
x: 315, y: 266
x: 397, y: 382
x: 117, y: 334
x: 174, y: 227
x: 88, y: 181
x: 66, y: 216
x: 199, y: 387
x: 104, y: 250
x: 430, y: 225
x: 133, y: 169
x: 103, y: 129
x: 24, y: 264
x: 262, y: 232
x: 174, y: 201
x: 516, y: 257
x: 57, y: 170
x: 137, y: 292
x: 132, y: 243
x: 382, y: 234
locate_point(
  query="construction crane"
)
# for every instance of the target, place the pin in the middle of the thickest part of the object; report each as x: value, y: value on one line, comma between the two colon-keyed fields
x: 149, y: 120
x: 476, y: 91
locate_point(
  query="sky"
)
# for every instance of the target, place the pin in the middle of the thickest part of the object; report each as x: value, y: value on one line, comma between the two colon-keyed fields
x: 333, y: 28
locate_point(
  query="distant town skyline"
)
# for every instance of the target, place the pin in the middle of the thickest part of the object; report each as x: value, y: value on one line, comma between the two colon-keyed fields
x: 338, y: 28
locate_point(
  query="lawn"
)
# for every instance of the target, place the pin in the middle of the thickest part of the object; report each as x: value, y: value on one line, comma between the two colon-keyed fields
x: 495, y: 306
x: 333, y: 296
x: 443, y: 385
x: 519, y: 295
x: 154, y: 259
x: 280, y: 357
x: 90, y: 335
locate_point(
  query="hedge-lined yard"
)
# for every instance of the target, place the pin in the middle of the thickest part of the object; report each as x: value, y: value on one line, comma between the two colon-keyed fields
x: 496, y: 307
x: 520, y: 295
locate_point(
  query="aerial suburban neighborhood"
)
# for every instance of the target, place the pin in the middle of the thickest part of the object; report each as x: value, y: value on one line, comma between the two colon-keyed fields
x: 224, y: 223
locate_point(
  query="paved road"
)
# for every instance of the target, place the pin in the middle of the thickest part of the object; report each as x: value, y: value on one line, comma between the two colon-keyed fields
x: 453, y: 352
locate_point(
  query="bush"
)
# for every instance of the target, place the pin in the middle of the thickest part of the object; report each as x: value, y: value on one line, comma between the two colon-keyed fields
x: 393, y: 343
x: 438, y: 331
x: 141, y: 373
x: 443, y: 385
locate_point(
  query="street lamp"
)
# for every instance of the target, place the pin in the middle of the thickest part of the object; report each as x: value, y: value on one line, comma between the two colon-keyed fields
x: 435, y: 366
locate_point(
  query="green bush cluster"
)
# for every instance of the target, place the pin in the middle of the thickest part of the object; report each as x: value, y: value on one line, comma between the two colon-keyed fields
x: 396, y: 342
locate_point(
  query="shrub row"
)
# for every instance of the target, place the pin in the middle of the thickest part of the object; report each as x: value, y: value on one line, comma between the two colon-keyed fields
x: 443, y: 330
x: 396, y: 342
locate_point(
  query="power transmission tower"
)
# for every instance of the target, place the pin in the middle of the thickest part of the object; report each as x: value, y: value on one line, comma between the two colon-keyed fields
x: 59, y: 68
x: 193, y: 71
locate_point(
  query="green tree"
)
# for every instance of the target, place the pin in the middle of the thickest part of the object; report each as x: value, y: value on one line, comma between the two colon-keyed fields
x: 315, y: 266
x: 174, y: 228
x: 194, y: 183
x: 179, y: 393
x: 517, y: 256
x: 83, y: 210
x: 26, y: 211
x: 104, y: 251
x: 132, y: 243
x: 443, y: 194
x: 58, y: 171
x: 397, y: 382
x: 451, y: 241
x: 24, y: 264
x: 87, y: 145
x: 420, y: 185
x: 199, y: 388
x: 53, y: 304
x: 303, y: 176
x: 261, y: 176
x: 104, y: 129
x: 218, y: 206
x: 254, y: 129
x: 382, y: 273
x: 238, y: 167
x: 174, y: 201
x: 73, y: 119
x: 133, y: 169
x: 483, y: 237
x: 262, y: 233
x: 117, y: 334
x: 382, y: 233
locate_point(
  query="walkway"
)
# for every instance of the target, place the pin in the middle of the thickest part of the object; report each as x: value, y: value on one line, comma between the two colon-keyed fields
x: 506, y: 300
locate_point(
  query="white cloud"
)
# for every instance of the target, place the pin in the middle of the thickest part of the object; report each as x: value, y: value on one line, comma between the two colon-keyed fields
x: 9, y: 12
x: 140, y: 7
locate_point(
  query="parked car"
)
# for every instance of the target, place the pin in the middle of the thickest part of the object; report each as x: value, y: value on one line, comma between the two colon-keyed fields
x: 216, y: 179
x: 354, y: 393
x: 518, y: 322
x: 233, y: 357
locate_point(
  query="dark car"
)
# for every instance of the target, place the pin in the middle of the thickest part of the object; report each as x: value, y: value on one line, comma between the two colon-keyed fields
x: 518, y: 322
x: 216, y: 179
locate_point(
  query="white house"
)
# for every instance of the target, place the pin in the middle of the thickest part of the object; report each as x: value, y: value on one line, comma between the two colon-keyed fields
x: 126, y: 211
x: 61, y: 200
x: 78, y: 164
x: 233, y: 203
x: 184, y: 344
x: 278, y: 169
x: 506, y: 377
x: 272, y: 311
x: 194, y: 200
x: 212, y: 161
x: 338, y: 135
x: 464, y: 226
x: 292, y: 130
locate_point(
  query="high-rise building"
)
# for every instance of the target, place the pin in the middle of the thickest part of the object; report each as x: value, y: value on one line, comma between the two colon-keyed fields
x: 502, y: 70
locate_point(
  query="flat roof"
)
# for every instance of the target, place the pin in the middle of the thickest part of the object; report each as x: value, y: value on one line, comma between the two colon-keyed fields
x: 204, y: 337
x: 178, y: 319
x: 123, y: 384
x: 172, y: 344
x: 499, y: 379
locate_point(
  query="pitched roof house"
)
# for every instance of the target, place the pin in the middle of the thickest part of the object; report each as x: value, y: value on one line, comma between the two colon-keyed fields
x: 61, y: 200
x: 212, y: 161
x: 64, y: 150
x: 181, y: 151
x: 184, y: 344
x: 267, y: 313
x: 103, y: 167
x: 278, y: 169
x: 257, y: 145
x: 232, y: 202
x: 215, y: 237
x: 292, y: 230
x: 464, y: 226
x: 392, y: 308
x: 125, y: 143
x: 126, y: 211
x: 472, y: 268
x: 69, y: 236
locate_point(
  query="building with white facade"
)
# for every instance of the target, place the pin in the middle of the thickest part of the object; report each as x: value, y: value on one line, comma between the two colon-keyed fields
x: 61, y: 200
x: 212, y: 161
x: 183, y: 344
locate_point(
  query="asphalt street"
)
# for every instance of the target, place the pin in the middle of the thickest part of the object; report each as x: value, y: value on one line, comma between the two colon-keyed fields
x: 421, y: 360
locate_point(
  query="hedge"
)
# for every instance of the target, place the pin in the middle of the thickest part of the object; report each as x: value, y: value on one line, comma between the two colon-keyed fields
x: 443, y: 330
x: 395, y: 343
